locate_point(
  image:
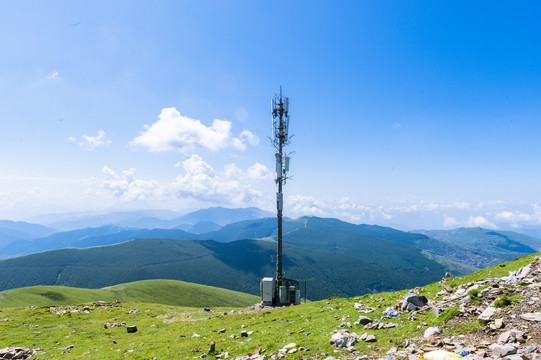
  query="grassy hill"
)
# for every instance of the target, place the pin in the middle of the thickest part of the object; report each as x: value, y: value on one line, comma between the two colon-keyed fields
x: 167, y: 332
x: 167, y: 292
x: 237, y: 265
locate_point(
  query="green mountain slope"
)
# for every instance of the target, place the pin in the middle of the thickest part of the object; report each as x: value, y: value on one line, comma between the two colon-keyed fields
x: 88, y: 237
x: 249, y: 229
x: 238, y: 265
x: 167, y: 292
x: 459, y: 251
x: 489, y: 245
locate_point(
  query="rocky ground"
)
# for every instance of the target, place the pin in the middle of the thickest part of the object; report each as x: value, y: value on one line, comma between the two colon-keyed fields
x: 508, y: 308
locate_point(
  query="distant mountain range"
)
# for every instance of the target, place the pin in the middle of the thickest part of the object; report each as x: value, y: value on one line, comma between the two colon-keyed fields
x: 232, y: 248
x: 237, y: 265
x: 151, y: 219
x: 11, y: 231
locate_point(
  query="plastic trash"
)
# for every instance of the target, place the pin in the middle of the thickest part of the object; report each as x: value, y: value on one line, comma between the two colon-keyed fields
x: 513, y: 277
x: 343, y: 340
x: 440, y: 355
x: 390, y: 313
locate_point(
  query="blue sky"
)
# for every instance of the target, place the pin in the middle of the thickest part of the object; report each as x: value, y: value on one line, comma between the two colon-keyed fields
x: 420, y: 114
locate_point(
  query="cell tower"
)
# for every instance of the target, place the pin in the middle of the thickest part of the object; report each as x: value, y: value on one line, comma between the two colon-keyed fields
x: 280, y: 291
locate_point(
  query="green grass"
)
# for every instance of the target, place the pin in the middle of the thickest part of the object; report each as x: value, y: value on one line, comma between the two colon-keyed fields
x: 166, y: 332
x: 167, y: 292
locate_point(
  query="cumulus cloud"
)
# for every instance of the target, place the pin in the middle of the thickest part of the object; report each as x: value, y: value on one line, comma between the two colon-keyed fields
x: 258, y: 172
x: 306, y: 205
x: 92, y: 142
x: 198, y: 180
x: 127, y: 187
x: 480, y: 221
x: 450, y: 222
x: 173, y: 131
x: 513, y: 216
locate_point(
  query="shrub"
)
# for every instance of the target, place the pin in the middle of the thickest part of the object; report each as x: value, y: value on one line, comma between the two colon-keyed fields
x: 449, y: 314
x: 502, y: 302
x: 474, y: 294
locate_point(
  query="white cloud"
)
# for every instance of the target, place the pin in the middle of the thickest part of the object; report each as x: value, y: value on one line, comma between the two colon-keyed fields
x: 259, y: 171
x: 53, y: 76
x: 92, y: 142
x: 251, y: 138
x: 429, y: 206
x: 397, y: 125
x: 198, y: 181
x: 480, y: 221
x: 450, y: 222
x: 127, y: 187
x: 305, y: 205
x: 513, y: 217
x: 176, y: 132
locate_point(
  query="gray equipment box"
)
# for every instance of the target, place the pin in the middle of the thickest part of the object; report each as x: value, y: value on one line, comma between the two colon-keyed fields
x: 267, y: 289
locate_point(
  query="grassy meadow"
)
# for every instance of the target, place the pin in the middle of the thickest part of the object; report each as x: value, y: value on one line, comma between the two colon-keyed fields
x: 179, y: 332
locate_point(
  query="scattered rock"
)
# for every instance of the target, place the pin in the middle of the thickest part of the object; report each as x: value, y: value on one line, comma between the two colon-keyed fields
x: 511, y: 336
x: 502, y: 350
x: 447, y: 288
x: 486, y: 315
x: 498, y: 324
x: 363, y: 320
x: 114, y: 324
x: 437, y: 311
x: 447, y: 277
x: 370, y: 338
x: 413, y: 302
x: 17, y: 353
x: 531, y: 316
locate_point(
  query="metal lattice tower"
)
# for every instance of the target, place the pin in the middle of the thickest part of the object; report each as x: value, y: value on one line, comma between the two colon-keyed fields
x: 280, y: 139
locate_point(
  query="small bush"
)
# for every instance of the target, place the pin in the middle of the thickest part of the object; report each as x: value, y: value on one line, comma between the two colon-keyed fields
x: 502, y: 302
x: 449, y: 314
x: 474, y: 294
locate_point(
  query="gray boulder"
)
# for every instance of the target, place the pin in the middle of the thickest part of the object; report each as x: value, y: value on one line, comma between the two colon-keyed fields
x: 413, y: 301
